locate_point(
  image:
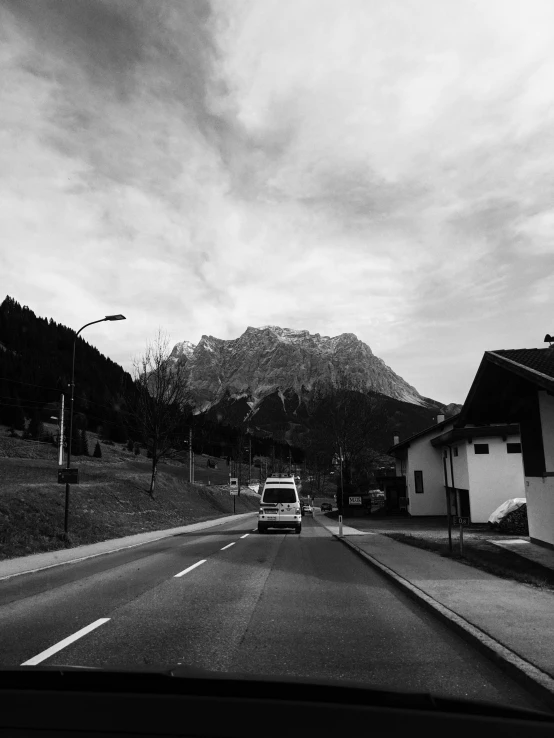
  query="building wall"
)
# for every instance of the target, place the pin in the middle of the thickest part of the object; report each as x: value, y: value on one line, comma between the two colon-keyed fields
x: 540, y: 490
x: 459, y: 463
x: 494, y: 477
x: 540, y: 509
x: 423, y: 457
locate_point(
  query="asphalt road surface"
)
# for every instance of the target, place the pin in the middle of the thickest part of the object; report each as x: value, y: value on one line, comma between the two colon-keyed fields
x: 277, y: 604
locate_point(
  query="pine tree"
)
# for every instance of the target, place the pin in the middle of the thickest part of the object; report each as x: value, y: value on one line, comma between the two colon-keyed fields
x: 97, y: 451
x: 84, y: 443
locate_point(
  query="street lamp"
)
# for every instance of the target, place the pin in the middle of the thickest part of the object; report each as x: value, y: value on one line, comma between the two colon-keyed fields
x: 66, y: 517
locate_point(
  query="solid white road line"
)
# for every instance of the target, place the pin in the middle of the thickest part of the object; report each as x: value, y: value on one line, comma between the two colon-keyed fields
x: 246, y: 534
x: 227, y: 546
x: 190, y: 568
x: 62, y: 644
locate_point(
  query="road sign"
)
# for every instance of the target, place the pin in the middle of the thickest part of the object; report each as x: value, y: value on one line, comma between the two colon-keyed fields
x: 234, y: 485
x: 354, y: 500
x: 461, y: 521
x: 68, y: 476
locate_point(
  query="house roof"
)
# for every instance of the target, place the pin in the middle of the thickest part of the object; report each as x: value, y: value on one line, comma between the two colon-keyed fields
x: 533, y: 365
x: 487, y: 431
x: 536, y: 361
x: 436, y: 427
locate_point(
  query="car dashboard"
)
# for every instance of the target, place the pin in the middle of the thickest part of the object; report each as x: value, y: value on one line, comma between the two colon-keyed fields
x: 87, y: 702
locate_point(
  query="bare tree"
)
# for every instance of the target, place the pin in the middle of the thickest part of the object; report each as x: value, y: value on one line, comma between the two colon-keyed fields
x: 159, y: 402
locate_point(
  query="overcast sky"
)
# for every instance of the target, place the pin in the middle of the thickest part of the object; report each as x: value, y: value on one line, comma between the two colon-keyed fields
x: 384, y: 169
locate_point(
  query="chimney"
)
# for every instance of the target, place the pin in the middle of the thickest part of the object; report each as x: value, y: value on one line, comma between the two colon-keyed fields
x: 395, y: 440
x: 440, y: 418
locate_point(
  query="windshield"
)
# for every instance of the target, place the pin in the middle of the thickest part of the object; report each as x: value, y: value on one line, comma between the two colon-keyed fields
x: 251, y: 242
x: 279, y: 494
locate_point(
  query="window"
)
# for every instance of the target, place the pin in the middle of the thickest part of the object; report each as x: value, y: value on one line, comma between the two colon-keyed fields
x: 277, y: 494
x: 513, y: 448
x: 418, y: 476
x: 455, y: 450
x: 481, y: 448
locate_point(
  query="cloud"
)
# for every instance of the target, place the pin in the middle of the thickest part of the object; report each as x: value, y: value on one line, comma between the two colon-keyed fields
x: 356, y: 167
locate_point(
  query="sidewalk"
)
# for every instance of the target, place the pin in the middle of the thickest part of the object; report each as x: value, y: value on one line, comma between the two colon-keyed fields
x: 512, y: 622
x: 35, y: 562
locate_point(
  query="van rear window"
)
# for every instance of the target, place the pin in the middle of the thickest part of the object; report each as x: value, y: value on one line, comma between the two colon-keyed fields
x: 279, y: 494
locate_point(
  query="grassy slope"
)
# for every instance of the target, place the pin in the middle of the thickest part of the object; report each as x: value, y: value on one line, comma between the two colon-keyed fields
x: 110, y: 501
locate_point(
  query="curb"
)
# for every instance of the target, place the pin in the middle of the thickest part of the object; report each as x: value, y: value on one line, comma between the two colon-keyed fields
x: 518, y: 668
x: 119, y: 545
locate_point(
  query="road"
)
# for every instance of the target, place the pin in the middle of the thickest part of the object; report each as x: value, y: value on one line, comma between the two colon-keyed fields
x: 278, y: 604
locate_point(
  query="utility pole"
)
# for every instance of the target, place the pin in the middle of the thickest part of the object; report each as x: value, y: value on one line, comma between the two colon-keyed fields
x: 250, y: 459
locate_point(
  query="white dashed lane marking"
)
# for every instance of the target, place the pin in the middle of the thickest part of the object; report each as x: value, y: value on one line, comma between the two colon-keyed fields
x: 227, y: 546
x: 190, y: 568
x: 66, y: 642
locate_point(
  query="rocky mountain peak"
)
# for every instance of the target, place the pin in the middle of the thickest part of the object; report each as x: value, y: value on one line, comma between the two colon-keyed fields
x: 272, y: 359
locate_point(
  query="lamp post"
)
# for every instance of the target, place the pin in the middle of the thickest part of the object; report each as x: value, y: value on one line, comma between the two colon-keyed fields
x: 66, y: 517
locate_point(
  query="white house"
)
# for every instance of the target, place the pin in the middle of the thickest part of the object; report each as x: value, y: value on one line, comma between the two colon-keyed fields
x: 477, y: 468
x: 517, y: 386
x: 500, y: 445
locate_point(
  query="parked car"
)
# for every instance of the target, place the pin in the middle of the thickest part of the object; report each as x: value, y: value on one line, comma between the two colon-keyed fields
x: 306, y: 508
x: 326, y: 507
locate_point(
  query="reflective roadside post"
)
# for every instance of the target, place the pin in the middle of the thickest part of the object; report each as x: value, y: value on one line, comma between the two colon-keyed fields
x: 72, y: 385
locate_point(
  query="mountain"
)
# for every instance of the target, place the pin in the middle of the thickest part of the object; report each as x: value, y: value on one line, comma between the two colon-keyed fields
x: 268, y: 376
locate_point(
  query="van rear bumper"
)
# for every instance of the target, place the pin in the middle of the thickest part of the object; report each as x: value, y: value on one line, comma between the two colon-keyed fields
x: 279, y: 523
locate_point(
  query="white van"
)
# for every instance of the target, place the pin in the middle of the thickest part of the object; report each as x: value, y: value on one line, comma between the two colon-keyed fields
x: 280, y: 504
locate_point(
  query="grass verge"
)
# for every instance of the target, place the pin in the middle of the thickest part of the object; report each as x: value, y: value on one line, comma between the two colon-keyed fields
x: 111, y: 501
x: 485, y: 556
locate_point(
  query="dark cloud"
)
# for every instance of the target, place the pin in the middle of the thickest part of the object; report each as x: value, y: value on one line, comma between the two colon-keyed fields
x: 113, y: 42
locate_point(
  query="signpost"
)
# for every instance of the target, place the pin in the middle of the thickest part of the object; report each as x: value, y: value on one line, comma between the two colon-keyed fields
x: 68, y: 476
x: 234, y: 489
x: 461, y: 521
